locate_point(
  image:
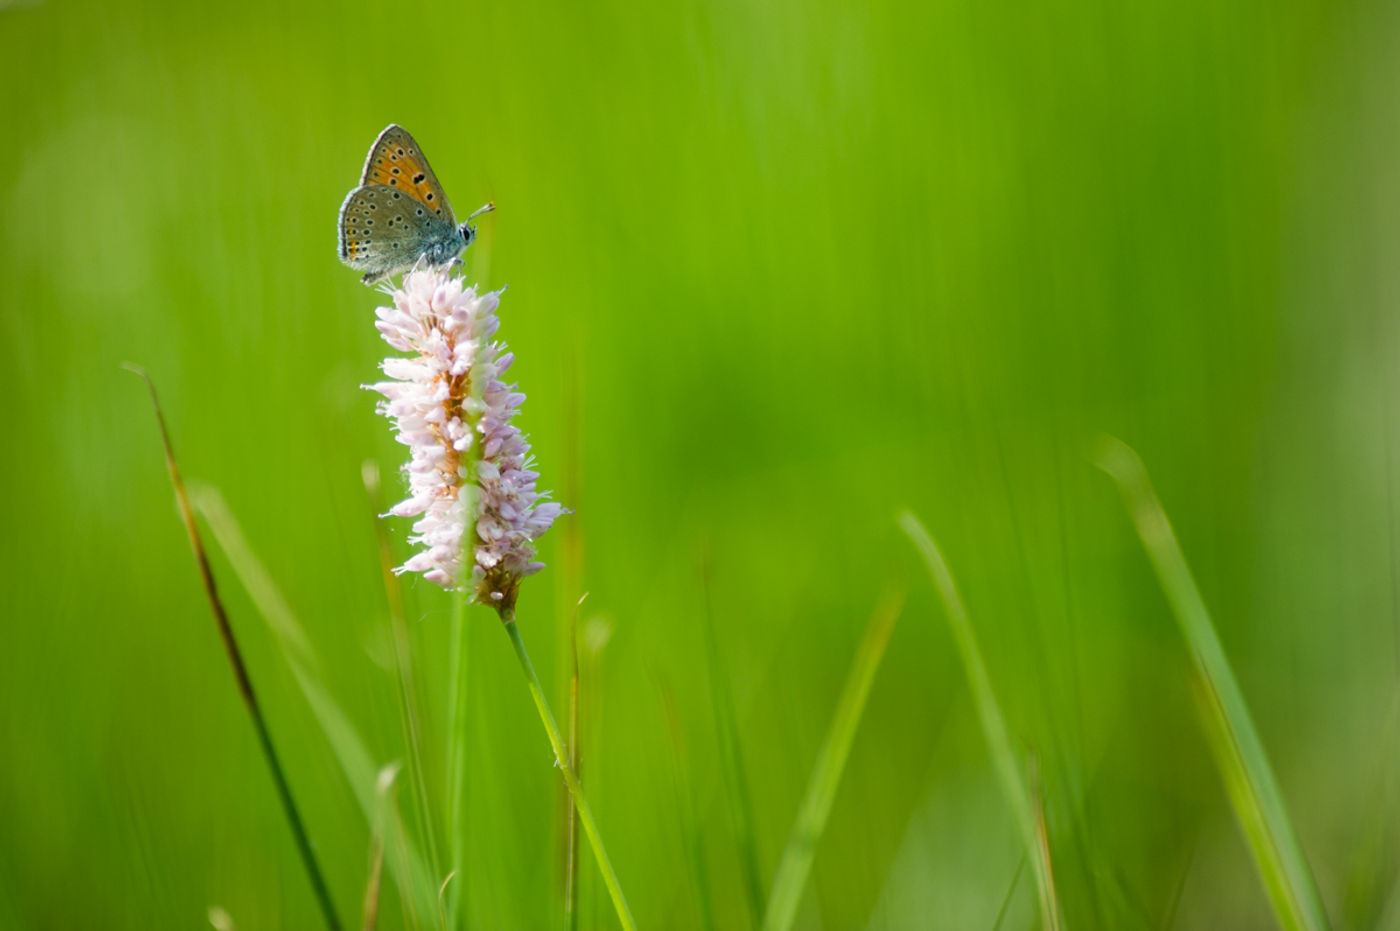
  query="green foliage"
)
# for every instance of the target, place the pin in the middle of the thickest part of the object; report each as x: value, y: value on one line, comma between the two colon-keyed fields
x: 777, y: 270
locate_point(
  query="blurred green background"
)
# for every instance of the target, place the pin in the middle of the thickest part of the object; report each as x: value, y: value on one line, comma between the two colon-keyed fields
x: 776, y: 271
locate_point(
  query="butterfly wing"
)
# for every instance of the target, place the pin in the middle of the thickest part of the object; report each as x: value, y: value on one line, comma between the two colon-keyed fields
x: 384, y: 231
x: 396, y: 161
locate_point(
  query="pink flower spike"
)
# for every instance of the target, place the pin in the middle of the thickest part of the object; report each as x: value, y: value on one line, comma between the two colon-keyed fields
x: 444, y: 392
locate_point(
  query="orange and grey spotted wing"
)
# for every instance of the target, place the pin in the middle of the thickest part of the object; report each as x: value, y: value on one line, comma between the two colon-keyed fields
x: 395, y: 160
x: 384, y: 231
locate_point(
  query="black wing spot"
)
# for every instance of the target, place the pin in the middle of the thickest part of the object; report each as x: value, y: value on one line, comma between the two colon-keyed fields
x: 430, y: 195
x: 395, y: 169
x: 396, y: 195
x: 394, y: 181
x: 400, y: 150
x: 420, y: 211
x: 418, y: 178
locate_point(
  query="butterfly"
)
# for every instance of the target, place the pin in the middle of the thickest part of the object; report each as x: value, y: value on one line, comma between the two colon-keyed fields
x: 399, y: 215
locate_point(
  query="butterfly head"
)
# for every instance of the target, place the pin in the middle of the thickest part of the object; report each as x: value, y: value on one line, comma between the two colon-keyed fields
x: 467, y: 230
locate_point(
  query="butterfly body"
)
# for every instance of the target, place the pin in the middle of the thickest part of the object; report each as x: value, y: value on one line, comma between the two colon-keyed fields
x: 399, y: 215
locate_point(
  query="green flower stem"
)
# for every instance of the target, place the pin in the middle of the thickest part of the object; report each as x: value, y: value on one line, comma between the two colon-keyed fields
x: 561, y: 757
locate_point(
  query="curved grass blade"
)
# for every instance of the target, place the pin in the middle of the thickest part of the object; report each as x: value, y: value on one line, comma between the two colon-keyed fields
x: 1024, y: 809
x: 240, y: 670
x: 1225, y: 718
x: 408, y: 866
x: 796, y: 863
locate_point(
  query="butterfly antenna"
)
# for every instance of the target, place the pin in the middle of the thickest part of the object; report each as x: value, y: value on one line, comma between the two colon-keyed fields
x: 487, y: 208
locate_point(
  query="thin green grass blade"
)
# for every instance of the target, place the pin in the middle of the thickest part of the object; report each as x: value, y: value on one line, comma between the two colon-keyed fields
x: 570, y: 583
x: 1004, y: 756
x: 796, y: 863
x: 1010, y: 893
x: 731, y: 756
x: 1049, y: 899
x: 1244, y: 766
x: 239, y: 668
x: 408, y: 866
x: 383, y: 811
x: 686, y: 802
x: 409, y: 715
x: 457, y: 759
x: 571, y: 813
x: 1370, y: 879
